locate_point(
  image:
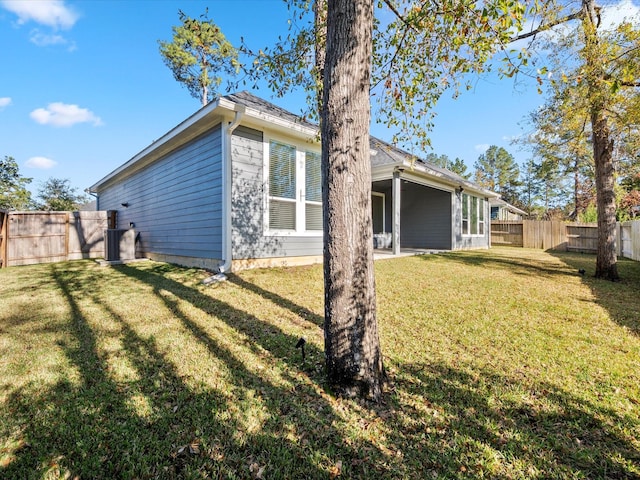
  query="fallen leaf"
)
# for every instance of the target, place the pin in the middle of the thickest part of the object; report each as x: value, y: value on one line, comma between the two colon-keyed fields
x: 336, y: 470
x: 257, y: 471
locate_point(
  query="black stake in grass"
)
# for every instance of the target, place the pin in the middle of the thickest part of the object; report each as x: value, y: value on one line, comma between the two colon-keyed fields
x: 300, y: 345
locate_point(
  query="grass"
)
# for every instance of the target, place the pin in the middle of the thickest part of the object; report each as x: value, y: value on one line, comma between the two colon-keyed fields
x: 505, y: 364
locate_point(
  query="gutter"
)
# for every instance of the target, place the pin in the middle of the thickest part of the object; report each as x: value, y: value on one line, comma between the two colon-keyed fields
x: 227, y: 183
x: 94, y: 195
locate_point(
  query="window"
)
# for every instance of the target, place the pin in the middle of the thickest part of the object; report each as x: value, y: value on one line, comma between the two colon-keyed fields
x: 472, y: 215
x: 465, y: 214
x: 282, y: 186
x: 295, y: 189
x: 313, y: 191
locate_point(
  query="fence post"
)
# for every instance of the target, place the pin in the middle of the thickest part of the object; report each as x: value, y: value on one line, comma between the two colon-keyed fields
x: 112, y: 219
x: 4, y: 239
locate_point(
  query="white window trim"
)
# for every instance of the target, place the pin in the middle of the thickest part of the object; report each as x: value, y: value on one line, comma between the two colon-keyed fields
x: 301, y: 148
x: 482, y: 202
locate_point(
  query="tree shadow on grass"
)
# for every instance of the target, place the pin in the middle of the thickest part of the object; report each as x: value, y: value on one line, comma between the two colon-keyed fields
x: 278, y: 300
x: 553, y: 431
x: 159, y: 425
x: 443, y: 421
x: 514, y: 262
x: 621, y: 298
x: 469, y: 423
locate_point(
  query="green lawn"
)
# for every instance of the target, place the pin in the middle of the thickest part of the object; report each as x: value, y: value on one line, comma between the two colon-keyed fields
x: 504, y: 364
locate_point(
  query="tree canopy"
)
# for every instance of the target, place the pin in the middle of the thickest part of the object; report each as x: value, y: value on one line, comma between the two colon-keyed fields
x: 497, y: 170
x: 198, y: 55
x: 13, y: 191
x: 406, y: 83
x: 456, y: 166
x: 58, y: 195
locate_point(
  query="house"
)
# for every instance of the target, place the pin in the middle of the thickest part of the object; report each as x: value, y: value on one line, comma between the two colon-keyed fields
x: 238, y: 184
x: 501, y: 210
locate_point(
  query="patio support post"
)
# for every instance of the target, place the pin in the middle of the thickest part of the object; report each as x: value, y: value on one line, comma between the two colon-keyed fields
x: 395, y: 215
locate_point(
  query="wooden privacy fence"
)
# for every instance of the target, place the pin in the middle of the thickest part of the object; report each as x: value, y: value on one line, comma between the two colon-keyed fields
x: 39, y: 237
x: 564, y: 236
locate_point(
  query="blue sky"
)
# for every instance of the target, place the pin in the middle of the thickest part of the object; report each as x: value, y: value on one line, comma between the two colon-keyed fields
x: 83, y: 87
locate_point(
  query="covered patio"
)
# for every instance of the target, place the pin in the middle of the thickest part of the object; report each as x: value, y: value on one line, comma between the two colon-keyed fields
x: 419, y: 207
x: 416, y: 216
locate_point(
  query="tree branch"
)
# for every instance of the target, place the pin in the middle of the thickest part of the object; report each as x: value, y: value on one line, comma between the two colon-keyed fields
x: 549, y: 26
x: 397, y: 14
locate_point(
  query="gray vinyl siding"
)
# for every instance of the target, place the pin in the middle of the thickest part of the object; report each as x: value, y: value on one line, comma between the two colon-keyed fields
x: 425, y: 215
x: 247, y: 214
x: 176, y: 202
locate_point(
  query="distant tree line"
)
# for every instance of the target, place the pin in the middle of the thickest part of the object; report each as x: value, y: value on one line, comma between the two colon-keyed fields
x: 559, y: 186
x: 55, y: 194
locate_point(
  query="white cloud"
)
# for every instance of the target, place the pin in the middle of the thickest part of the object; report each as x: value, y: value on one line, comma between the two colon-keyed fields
x: 482, y: 147
x: 5, y: 102
x: 44, y: 40
x: 42, y: 163
x: 63, y: 115
x: 614, y: 14
x: 53, y: 13
x: 511, y: 138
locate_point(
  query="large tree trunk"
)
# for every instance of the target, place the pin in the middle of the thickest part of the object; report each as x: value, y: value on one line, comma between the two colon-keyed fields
x: 606, y: 261
x: 352, y: 347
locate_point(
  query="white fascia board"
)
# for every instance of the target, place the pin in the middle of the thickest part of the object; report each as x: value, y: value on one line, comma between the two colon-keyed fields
x: 175, y: 137
x: 383, y: 172
x: 262, y: 120
x: 499, y: 202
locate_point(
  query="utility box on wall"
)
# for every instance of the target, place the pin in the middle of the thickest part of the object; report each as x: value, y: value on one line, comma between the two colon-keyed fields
x: 119, y: 244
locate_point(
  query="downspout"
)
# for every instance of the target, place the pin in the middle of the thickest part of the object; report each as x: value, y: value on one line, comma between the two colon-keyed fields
x: 227, y: 183
x: 94, y: 195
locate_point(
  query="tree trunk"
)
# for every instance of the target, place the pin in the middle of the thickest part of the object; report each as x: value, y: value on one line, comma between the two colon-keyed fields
x: 320, y: 27
x: 352, y: 347
x: 606, y: 261
x: 576, y: 191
